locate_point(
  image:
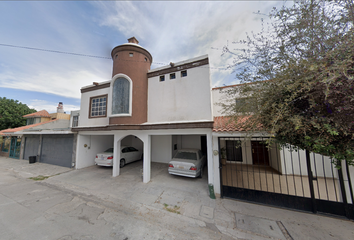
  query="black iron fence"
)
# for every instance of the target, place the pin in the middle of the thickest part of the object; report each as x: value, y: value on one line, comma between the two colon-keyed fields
x: 286, y: 177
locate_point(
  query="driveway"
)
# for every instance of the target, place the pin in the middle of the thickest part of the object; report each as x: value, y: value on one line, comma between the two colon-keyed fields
x: 184, y: 195
x: 64, y: 207
x: 168, y: 207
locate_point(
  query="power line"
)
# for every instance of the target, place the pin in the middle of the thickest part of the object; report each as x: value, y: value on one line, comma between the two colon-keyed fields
x: 53, y: 51
x: 83, y: 55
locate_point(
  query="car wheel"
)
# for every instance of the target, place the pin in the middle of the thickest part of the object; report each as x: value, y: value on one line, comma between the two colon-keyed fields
x: 121, y: 163
x: 142, y: 156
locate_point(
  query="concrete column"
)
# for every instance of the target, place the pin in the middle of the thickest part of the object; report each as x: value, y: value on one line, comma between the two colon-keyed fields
x: 39, y: 148
x: 116, y: 155
x: 78, y: 143
x: 73, y: 156
x: 22, y: 146
x: 147, y: 158
x: 210, y: 158
x: 217, y: 187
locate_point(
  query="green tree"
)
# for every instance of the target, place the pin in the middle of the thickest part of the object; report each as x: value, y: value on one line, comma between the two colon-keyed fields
x: 11, y: 112
x: 298, y: 78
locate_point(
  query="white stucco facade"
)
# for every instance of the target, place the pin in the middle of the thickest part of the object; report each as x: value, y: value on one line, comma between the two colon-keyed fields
x: 219, y: 96
x: 185, y: 98
x: 85, y: 121
x: 177, y: 112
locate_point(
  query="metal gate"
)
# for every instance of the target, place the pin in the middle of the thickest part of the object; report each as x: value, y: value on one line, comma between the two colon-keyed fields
x: 57, y: 149
x: 286, y: 177
x: 15, y: 147
x: 31, y: 146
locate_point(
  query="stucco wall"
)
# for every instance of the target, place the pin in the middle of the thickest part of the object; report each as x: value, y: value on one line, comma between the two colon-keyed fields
x: 45, y: 119
x: 95, y: 144
x: 72, y: 115
x: 176, y: 141
x: 161, y: 148
x: 85, y: 121
x: 219, y: 96
x: 60, y: 116
x: 191, y: 141
x: 60, y: 123
x: 181, y: 99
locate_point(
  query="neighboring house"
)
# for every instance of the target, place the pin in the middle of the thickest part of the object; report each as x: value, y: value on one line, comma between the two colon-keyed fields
x: 277, y: 176
x: 157, y: 111
x: 12, y: 137
x: 46, y: 136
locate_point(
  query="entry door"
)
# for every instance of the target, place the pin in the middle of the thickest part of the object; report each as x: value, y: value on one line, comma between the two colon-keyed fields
x: 260, y: 153
x: 15, y: 147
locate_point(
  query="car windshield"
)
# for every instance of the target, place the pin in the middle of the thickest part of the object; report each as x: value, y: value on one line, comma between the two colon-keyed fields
x: 109, y: 150
x: 186, y: 155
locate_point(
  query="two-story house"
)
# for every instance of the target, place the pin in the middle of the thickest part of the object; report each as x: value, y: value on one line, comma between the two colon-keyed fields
x: 162, y: 110
x: 285, y: 176
x: 157, y: 111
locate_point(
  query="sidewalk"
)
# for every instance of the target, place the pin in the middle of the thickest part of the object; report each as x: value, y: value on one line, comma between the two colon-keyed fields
x: 236, y: 219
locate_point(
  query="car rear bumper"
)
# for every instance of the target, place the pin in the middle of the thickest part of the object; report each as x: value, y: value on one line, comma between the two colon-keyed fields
x: 184, y: 173
x: 107, y: 163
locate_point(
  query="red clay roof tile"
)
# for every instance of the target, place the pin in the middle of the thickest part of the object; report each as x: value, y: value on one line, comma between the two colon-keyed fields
x: 42, y: 113
x: 12, y: 130
x: 227, y: 124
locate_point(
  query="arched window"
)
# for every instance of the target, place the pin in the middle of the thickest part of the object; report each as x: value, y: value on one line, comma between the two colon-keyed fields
x: 120, y: 96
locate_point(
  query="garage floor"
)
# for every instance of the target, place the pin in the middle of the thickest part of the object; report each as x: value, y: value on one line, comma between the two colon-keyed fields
x: 184, y: 195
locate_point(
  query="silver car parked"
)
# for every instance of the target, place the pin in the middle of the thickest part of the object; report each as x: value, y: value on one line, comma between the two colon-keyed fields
x: 187, y: 163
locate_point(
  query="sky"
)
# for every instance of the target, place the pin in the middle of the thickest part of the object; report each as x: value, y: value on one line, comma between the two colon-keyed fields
x: 170, y: 31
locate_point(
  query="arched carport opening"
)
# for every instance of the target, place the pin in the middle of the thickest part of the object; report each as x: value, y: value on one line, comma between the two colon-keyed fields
x: 131, y: 151
x: 157, y: 146
x: 127, y: 144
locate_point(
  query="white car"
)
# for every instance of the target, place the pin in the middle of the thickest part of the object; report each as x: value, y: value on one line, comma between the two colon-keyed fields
x: 127, y: 155
x: 187, y: 163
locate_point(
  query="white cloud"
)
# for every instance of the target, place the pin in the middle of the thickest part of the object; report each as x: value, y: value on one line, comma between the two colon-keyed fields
x: 66, y: 84
x: 170, y: 31
x: 175, y: 31
x: 125, y: 17
x: 51, y: 107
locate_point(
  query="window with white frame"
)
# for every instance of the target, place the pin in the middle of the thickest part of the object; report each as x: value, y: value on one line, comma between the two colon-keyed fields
x: 30, y: 121
x: 98, y: 106
x: 75, y: 121
x: 121, y: 96
x: 34, y: 120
